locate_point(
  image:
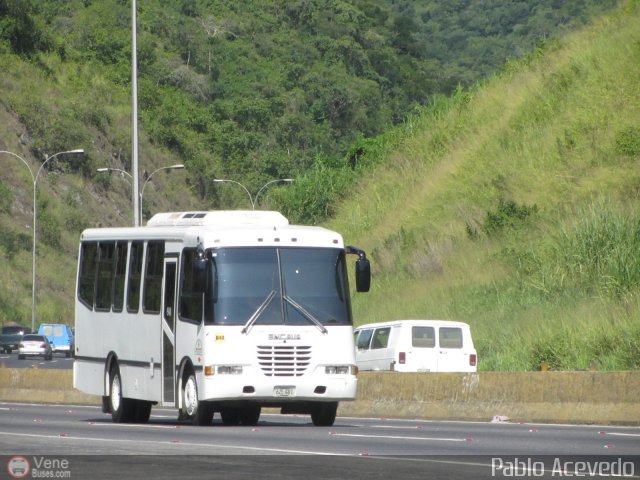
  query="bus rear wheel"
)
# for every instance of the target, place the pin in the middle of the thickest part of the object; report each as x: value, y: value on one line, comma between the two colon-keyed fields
x: 195, y: 411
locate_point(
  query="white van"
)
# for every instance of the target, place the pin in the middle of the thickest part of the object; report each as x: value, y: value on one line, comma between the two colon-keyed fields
x: 416, y: 346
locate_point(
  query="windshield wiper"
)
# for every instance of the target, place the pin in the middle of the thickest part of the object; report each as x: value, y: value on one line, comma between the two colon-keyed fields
x: 306, y: 314
x: 263, y: 306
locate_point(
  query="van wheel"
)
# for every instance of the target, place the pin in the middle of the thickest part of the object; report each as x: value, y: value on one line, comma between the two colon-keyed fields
x: 193, y: 410
x: 122, y: 409
x: 324, y: 414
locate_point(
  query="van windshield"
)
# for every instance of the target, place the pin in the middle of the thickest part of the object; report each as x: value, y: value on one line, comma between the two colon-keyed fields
x: 274, y: 286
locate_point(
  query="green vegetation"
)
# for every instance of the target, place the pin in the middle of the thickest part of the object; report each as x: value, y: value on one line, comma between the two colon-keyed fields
x: 513, y: 206
x: 508, y: 203
x: 253, y: 90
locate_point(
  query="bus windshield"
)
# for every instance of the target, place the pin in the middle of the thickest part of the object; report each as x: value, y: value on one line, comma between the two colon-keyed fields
x: 276, y: 286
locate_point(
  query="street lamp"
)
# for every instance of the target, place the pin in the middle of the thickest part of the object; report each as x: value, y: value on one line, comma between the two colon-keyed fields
x: 254, y: 200
x: 34, y: 178
x: 111, y: 170
x: 170, y: 167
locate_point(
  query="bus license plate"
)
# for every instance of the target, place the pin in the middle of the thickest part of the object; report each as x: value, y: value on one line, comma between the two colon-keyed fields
x: 284, y: 391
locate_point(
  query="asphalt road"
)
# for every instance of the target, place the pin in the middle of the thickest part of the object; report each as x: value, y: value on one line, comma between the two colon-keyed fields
x: 59, y: 361
x: 81, y: 442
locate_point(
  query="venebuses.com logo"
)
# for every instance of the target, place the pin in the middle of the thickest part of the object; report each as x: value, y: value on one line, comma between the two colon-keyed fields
x: 19, y: 466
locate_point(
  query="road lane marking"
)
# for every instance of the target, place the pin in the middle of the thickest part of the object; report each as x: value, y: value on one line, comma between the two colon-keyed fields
x: 394, y: 427
x: 138, y: 425
x: 174, y: 444
x: 398, y: 437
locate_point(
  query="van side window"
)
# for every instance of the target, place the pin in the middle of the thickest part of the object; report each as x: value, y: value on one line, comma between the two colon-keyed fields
x: 423, y: 337
x: 363, y: 339
x: 381, y: 338
x: 450, y: 337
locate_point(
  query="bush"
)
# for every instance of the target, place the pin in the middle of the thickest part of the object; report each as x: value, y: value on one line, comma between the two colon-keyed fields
x: 628, y: 141
x: 508, y: 214
x: 14, y: 242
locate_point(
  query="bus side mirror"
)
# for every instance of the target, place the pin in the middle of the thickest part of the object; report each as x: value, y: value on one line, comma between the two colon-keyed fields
x: 363, y: 269
x: 363, y: 274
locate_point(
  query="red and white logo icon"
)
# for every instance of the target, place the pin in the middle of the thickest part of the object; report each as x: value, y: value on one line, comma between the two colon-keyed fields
x: 18, y: 467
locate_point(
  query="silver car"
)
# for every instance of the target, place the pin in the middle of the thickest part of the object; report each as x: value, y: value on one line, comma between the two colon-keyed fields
x: 35, y: 346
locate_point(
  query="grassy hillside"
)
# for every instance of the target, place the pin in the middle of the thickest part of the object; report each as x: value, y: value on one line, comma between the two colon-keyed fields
x: 515, y: 207
x: 511, y: 205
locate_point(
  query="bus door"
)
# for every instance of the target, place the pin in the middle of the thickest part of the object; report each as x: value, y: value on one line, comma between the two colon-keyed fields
x: 168, y: 333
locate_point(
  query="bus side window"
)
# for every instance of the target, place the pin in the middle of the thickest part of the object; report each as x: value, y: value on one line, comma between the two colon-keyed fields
x: 87, y: 275
x: 153, y: 278
x: 104, y: 283
x: 135, y: 273
x: 119, y: 277
x: 190, y: 307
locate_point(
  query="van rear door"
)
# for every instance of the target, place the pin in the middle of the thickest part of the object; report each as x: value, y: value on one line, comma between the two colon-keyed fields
x: 455, y: 347
x: 422, y: 356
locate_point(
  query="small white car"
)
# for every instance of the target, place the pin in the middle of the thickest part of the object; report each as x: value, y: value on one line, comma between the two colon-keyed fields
x: 416, y: 346
x: 33, y: 345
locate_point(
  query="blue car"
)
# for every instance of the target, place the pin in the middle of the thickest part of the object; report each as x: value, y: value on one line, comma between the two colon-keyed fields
x: 60, y: 336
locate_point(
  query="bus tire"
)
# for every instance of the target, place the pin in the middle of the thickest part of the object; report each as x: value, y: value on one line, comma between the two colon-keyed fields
x: 230, y: 416
x: 323, y: 414
x: 142, y: 411
x: 250, y: 415
x: 122, y: 409
x: 193, y: 410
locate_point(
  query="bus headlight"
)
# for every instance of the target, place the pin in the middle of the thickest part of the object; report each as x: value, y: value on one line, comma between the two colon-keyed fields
x: 341, y: 370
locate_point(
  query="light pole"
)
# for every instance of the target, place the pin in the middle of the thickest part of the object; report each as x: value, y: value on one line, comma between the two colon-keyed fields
x: 135, y: 182
x: 111, y: 170
x: 34, y: 178
x: 252, y: 199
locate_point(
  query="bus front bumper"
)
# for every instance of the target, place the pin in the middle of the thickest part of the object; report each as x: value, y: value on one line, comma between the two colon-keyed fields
x: 280, y: 390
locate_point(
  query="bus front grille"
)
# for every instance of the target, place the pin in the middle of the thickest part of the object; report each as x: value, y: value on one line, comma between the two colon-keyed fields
x: 284, y: 360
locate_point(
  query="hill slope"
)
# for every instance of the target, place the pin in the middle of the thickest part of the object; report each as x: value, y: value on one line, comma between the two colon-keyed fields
x: 514, y: 207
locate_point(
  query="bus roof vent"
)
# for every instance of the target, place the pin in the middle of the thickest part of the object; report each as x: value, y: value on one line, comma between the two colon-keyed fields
x: 220, y: 218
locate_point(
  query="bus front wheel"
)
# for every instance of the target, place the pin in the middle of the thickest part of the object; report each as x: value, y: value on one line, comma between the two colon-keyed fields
x: 323, y: 414
x: 122, y: 409
x: 193, y: 410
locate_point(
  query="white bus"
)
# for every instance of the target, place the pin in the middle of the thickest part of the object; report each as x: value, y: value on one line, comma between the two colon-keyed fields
x: 221, y: 311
